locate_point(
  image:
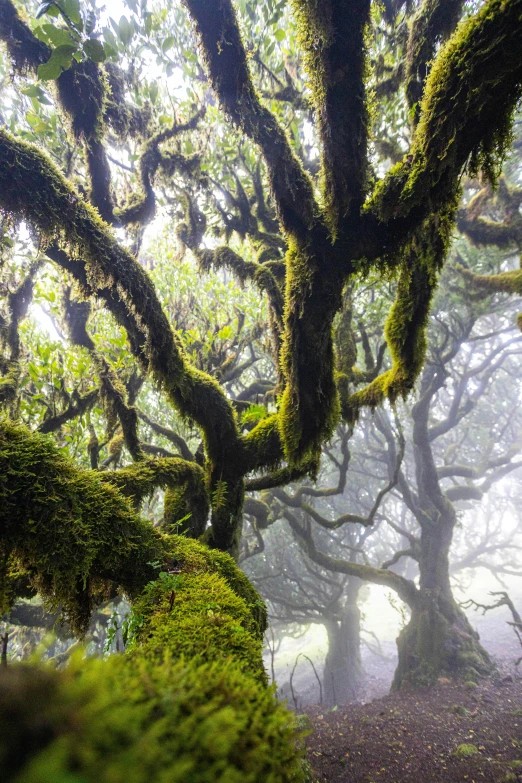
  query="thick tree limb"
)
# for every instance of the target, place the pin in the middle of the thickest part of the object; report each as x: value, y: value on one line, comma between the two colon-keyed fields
x: 226, y: 62
x: 332, y: 34
x: 478, y: 73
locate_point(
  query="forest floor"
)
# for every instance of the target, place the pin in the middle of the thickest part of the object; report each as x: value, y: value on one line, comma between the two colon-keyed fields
x: 445, y: 734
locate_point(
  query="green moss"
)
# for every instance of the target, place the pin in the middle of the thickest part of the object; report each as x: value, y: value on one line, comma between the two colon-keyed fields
x: 477, y: 74
x: 229, y: 74
x: 103, y: 267
x: 309, y: 406
x: 405, y: 328
x: 333, y: 43
x: 481, y: 231
x: 182, y: 479
x: 25, y: 50
x: 189, y: 699
x: 197, y: 558
x: 82, y: 94
x: 465, y: 751
x: 198, y: 617
x: 9, y: 383
x: 438, y: 642
x: 433, y: 22
x: 225, y: 257
x: 78, y: 536
x: 73, y: 533
x: 130, y: 720
x: 506, y: 282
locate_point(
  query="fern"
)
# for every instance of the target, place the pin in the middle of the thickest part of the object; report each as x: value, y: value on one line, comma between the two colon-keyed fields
x: 219, y: 495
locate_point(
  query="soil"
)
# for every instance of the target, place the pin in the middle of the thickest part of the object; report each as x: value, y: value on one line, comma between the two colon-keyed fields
x: 414, y: 737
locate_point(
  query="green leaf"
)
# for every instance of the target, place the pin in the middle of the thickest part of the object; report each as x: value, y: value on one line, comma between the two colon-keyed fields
x: 94, y: 50
x: 253, y: 414
x: 57, y: 35
x: 31, y: 91
x: 168, y: 43
x: 63, y: 55
x: 43, y: 8
x: 110, y: 51
x: 109, y: 37
x: 279, y: 35
x: 153, y: 91
x: 60, y: 59
x: 72, y: 9
x: 125, y: 30
x: 225, y: 333
x: 49, y: 71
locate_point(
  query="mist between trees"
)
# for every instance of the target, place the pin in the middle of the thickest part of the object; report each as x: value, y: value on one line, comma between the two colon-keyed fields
x: 259, y: 268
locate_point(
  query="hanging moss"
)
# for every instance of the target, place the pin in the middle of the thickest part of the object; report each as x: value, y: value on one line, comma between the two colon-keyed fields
x: 405, y: 328
x: 25, y: 50
x: 82, y: 95
x: 434, y: 22
x: 478, y: 73
x: 258, y: 273
x: 481, y: 231
x: 123, y: 118
x: 75, y: 535
x: 505, y: 282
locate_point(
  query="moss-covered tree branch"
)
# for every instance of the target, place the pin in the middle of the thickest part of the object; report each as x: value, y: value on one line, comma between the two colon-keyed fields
x: 332, y: 35
x: 230, y: 76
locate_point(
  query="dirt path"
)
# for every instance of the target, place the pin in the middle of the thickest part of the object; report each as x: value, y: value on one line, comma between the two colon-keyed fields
x: 424, y: 736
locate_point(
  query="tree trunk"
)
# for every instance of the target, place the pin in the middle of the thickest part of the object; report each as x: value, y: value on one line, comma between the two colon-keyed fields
x: 343, y: 673
x: 438, y: 640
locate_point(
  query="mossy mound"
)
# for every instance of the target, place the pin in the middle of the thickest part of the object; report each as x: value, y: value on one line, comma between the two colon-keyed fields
x: 133, y: 721
x: 199, y: 617
x: 197, y: 558
x: 466, y: 750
